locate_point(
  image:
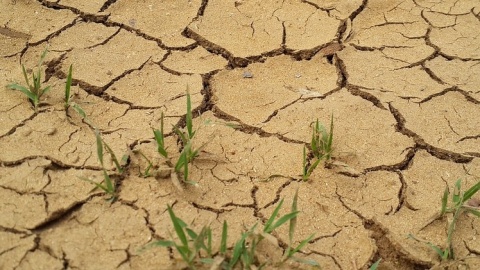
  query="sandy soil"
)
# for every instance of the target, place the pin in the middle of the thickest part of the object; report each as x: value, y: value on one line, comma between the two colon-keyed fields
x: 401, y: 78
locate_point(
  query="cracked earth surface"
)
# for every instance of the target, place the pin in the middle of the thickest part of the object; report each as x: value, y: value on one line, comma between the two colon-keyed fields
x: 401, y: 78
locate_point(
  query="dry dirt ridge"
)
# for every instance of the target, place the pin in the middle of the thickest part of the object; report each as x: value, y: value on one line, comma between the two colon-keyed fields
x: 401, y: 78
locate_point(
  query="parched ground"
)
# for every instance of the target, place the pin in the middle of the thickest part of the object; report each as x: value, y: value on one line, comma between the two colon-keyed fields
x: 401, y: 79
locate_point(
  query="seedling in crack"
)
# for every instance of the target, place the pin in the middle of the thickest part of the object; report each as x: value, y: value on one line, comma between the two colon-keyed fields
x: 188, y: 153
x: 196, y: 248
x: 68, y: 97
x: 461, y: 202
x: 33, y: 90
x: 321, y: 148
x: 291, y: 251
x: 107, y: 185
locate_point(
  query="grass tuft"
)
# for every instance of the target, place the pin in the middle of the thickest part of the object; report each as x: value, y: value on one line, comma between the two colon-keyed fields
x: 107, y: 185
x: 33, y: 90
x: 321, y: 148
x: 188, y: 153
x: 459, y: 204
x: 196, y: 248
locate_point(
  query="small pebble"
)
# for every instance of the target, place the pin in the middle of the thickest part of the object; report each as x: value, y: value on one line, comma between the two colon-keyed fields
x: 247, y: 74
x: 26, y: 131
x: 74, y: 158
x: 51, y: 131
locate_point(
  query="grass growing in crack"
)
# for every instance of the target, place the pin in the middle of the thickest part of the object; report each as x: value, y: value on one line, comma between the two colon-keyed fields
x: 188, y: 153
x: 107, y: 185
x: 196, y: 248
x: 34, y: 90
x: 291, y: 251
x: 375, y: 265
x: 460, y: 203
x: 68, y: 97
x: 321, y: 148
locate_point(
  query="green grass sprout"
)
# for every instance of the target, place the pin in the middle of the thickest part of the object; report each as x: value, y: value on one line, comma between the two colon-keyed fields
x: 68, y: 85
x: 188, y: 153
x: 458, y: 206
x: 107, y: 185
x: 68, y: 97
x: 375, y: 265
x: 321, y: 148
x: 290, y: 252
x: 33, y: 90
x: 160, y: 139
x: 196, y: 248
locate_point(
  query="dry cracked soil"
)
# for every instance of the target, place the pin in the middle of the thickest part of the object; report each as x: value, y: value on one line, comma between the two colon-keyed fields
x: 401, y: 79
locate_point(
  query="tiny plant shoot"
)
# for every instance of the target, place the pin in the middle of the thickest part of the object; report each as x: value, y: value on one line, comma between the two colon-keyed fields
x: 107, y: 185
x: 321, y: 148
x: 460, y: 203
x: 196, y: 248
x: 33, y: 90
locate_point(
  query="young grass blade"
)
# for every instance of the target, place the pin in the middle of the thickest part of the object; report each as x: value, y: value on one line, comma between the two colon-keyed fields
x: 293, y: 221
x: 114, y: 157
x: 68, y: 86
x: 160, y: 139
x: 312, y: 167
x: 146, y: 173
x: 444, y: 202
x: 375, y: 265
x: 177, y: 225
x: 26, y: 78
x: 24, y: 90
x: 44, y: 91
x: 475, y: 212
x: 42, y: 57
x: 99, y: 147
x: 163, y: 243
x: 108, y: 182
x: 282, y: 220
x: 97, y: 185
x: 471, y: 191
x: 180, y: 134
x: 240, y: 248
x: 185, y: 171
x: 269, y: 222
x: 182, y: 159
x: 189, y: 117
x: 305, y: 169
x: 300, y: 246
x: 80, y: 111
x: 223, y: 241
x: 315, y: 143
x: 237, y: 251
x: 330, y: 140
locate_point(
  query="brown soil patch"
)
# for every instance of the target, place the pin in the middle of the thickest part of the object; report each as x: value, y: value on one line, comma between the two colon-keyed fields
x: 401, y: 78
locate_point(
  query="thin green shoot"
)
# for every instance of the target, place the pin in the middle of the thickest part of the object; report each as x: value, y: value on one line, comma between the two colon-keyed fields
x: 322, y: 141
x: 223, y: 241
x: 291, y: 251
x: 375, y: 265
x: 68, y: 97
x: 321, y: 148
x: 458, y: 205
x: 33, y: 90
x: 188, y: 153
x: 190, y: 243
x: 107, y: 185
x: 68, y: 85
x: 197, y: 247
x: 189, y: 117
x: 146, y: 173
x: 160, y: 139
